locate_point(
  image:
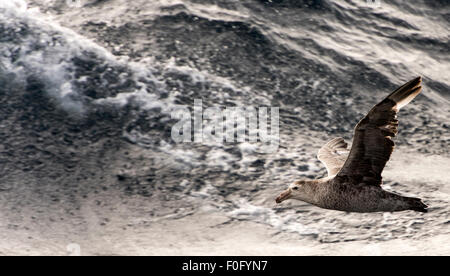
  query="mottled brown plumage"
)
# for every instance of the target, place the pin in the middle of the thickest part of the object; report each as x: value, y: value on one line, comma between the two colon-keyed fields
x: 354, y: 178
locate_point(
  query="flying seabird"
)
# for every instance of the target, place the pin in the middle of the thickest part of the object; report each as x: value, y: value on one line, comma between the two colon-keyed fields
x: 354, y: 178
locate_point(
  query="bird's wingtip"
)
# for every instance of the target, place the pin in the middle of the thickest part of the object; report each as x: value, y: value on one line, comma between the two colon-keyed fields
x: 407, y: 92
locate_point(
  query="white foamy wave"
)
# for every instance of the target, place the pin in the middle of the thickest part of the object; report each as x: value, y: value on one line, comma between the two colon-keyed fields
x: 17, y: 5
x: 43, y: 49
x: 288, y: 222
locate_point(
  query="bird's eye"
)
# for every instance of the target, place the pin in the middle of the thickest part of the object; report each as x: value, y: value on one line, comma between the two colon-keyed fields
x: 295, y: 188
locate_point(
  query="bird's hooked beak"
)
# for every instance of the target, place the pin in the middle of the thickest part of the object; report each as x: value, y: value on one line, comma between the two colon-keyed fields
x: 283, y: 196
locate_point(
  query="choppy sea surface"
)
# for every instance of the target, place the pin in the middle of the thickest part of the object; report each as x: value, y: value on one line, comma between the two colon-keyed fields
x: 87, y: 88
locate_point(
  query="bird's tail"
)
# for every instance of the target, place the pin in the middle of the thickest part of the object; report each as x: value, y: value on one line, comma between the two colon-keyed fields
x: 416, y: 204
x: 406, y: 93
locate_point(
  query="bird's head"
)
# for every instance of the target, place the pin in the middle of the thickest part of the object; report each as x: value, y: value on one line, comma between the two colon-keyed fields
x: 296, y: 190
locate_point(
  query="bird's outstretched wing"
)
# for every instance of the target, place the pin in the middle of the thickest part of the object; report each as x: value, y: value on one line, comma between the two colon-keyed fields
x: 333, y: 155
x: 372, y: 144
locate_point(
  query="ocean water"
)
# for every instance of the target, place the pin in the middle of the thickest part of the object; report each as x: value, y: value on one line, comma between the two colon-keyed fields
x: 87, y: 89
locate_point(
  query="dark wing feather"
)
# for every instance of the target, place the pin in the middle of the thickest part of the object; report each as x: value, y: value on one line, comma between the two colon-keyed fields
x: 372, y: 144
